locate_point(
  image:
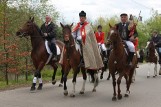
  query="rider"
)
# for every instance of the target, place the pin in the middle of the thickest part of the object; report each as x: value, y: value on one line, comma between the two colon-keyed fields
x: 84, y: 34
x: 124, y: 31
x: 49, y: 30
x: 100, y: 41
x: 157, y: 42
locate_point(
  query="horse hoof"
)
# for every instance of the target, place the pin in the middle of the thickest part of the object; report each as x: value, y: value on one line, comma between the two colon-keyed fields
x: 108, y: 78
x: 101, y: 77
x: 81, y: 92
x: 159, y: 73
x: 65, y: 94
x: 60, y: 85
x: 39, y: 88
x: 72, y: 95
x: 94, y: 90
x: 154, y: 76
x: 54, y: 82
x: 148, y: 76
x: 114, y: 99
x: 126, y: 95
x: 120, y: 97
x: 33, y: 89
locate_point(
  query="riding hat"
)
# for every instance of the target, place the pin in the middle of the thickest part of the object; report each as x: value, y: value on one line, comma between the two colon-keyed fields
x: 82, y: 14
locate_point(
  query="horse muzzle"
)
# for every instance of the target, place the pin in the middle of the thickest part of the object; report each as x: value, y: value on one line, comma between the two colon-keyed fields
x: 20, y: 34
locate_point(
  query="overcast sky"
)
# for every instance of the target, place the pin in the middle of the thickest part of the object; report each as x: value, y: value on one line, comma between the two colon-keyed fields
x: 69, y: 9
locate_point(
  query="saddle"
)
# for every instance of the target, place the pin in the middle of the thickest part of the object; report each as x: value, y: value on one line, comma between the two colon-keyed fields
x: 48, y: 49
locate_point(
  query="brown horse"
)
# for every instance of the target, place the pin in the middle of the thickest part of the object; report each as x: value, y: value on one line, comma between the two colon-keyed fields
x: 39, y: 53
x: 152, y: 57
x: 71, y: 59
x: 118, y: 63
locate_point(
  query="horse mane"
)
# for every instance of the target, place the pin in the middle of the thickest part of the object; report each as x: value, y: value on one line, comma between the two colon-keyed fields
x: 38, y: 29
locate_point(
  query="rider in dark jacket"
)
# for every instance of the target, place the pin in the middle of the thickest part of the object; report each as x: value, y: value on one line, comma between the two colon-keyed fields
x: 49, y: 31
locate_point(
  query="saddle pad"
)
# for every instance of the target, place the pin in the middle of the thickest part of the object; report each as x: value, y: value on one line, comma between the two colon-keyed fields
x: 48, y: 49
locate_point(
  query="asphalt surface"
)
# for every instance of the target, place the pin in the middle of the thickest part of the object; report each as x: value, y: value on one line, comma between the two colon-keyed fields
x: 145, y: 92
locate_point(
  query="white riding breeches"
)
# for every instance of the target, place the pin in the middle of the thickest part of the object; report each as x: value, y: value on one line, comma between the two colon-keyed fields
x: 103, y: 47
x: 130, y: 46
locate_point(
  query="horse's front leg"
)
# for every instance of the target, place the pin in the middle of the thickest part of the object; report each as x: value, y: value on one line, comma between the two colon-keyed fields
x: 55, y: 67
x: 155, y: 70
x: 95, y: 81
x: 37, y: 75
x: 114, y: 86
x: 76, y: 71
x: 118, y: 84
x: 66, y: 72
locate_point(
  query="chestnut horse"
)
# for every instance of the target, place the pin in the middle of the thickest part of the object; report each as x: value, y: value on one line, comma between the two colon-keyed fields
x: 152, y: 57
x: 39, y: 53
x: 71, y: 58
x: 118, y: 62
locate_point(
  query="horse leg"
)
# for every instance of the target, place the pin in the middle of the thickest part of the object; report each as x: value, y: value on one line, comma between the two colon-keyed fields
x: 61, y: 81
x: 118, y: 84
x: 148, y: 75
x: 127, y: 85
x: 66, y: 72
x: 76, y: 71
x: 37, y: 74
x: 84, y: 80
x: 133, y: 77
x: 160, y: 70
x: 109, y: 75
x: 114, y: 86
x: 55, y: 67
x: 95, y: 80
x: 155, y: 70
x: 101, y: 76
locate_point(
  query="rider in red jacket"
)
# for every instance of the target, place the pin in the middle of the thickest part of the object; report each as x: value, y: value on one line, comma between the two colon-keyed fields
x: 100, y: 41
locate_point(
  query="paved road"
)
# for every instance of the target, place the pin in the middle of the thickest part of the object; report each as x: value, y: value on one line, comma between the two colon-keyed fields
x: 144, y: 93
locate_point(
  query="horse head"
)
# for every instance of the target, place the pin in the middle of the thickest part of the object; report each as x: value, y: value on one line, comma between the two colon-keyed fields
x: 113, y: 34
x: 151, y: 46
x: 67, y: 32
x: 27, y: 28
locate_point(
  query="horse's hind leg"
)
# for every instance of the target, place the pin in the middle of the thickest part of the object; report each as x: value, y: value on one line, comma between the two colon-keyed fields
x: 55, y: 67
x: 84, y: 80
x: 95, y: 80
x: 160, y: 70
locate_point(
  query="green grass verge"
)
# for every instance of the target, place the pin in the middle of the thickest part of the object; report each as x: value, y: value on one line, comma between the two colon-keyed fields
x: 46, y: 76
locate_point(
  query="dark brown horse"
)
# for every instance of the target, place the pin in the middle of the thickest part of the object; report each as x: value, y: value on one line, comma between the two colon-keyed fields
x: 118, y: 63
x: 106, y: 62
x: 39, y: 53
x: 152, y: 57
x: 71, y: 59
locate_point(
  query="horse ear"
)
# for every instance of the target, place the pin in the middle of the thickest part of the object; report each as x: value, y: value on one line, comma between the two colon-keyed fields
x: 32, y: 19
x: 71, y: 25
x: 61, y: 25
x: 110, y: 25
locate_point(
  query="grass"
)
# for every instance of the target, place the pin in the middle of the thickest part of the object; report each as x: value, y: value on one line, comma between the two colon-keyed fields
x: 46, y: 76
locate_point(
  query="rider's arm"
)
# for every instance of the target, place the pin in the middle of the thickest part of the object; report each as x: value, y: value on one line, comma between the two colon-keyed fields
x: 52, y: 33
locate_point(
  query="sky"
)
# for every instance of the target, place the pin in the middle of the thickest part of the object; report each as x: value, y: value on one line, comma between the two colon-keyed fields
x: 69, y: 9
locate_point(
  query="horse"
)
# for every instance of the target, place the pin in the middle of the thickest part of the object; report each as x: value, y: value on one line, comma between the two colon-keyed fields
x: 39, y: 53
x: 152, y: 57
x: 118, y: 62
x: 107, y: 44
x: 71, y: 58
